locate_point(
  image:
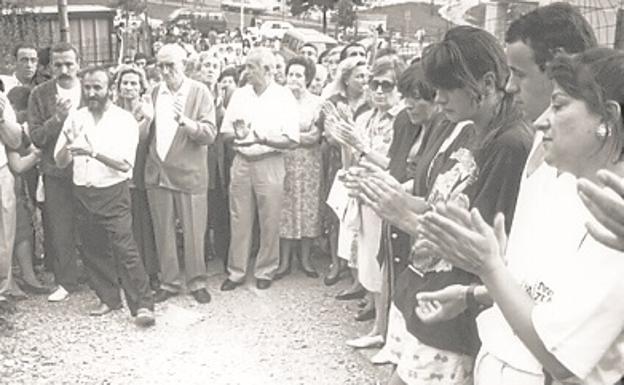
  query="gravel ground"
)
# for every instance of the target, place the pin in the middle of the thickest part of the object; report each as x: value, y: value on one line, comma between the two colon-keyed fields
x: 292, y: 333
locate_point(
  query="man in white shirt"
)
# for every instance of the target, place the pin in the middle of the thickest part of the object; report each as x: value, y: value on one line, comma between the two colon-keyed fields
x: 10, y: 136
x: 101, y: 141
x: 26, y: 59
x: 262, y: 116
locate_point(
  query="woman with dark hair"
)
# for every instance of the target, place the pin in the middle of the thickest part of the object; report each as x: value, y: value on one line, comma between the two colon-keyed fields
x: 558, y: 312
x: 300, y: 220
x: 131, y: 85
x: 479, y: 165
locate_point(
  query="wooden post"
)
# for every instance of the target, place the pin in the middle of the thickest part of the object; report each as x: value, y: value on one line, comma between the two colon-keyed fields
x: 63, y: 20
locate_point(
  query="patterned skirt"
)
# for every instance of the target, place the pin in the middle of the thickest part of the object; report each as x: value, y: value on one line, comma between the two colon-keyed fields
x: 301, y: 208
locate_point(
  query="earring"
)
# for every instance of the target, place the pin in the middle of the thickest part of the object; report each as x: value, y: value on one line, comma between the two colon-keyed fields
x: 603, y: 130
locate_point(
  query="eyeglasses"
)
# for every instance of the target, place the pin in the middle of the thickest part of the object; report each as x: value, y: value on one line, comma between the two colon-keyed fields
x: 166, y: 65
x: 357, y: 53
x: 386, y: 86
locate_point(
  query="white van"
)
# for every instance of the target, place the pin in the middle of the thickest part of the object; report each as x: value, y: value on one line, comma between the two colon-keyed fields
x: 296, y: 38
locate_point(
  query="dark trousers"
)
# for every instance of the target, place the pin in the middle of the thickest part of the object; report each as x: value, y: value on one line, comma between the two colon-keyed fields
x: 58, y: 218
x: 109, y: 251
x: 218, y: 220
x: 143, y: 231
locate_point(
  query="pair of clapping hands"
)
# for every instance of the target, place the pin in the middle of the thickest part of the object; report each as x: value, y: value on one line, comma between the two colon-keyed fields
x: 244, y: 135
x: 339, y: 125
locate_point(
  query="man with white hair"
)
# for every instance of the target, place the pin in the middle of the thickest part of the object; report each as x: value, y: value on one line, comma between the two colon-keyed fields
x: 263, y: 119
x: 176, y: 173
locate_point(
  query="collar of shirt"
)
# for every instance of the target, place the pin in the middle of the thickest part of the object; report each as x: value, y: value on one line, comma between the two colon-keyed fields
x: 181, y: 92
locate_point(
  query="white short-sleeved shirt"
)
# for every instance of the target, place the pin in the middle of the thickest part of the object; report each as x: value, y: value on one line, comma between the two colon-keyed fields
x: 546, y: 252
x: 583, y: 322
x: 116, y: 136
x: 274, y: 113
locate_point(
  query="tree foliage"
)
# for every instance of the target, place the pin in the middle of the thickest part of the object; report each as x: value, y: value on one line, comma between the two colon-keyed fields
x: 298, y: 7
x: 18, y: 23
x: 345, y: 15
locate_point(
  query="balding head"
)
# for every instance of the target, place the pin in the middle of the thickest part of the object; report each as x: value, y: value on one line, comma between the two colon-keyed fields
x: 170, y: 59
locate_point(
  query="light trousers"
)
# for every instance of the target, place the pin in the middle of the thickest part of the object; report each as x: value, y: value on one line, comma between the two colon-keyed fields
x: 191, y: 210
x: 7, y: 228
x: 255, y: 186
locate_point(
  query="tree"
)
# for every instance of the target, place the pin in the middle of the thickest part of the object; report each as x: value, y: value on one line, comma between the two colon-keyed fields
x: 297, y: 7
x: 345, y: 15
x: 18, y: 23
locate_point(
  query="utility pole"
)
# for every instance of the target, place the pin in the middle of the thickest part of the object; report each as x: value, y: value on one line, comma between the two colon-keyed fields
x: 63, y: 20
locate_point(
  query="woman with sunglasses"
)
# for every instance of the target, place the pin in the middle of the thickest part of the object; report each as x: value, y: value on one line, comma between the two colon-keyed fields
x: 558, y: 313
x: 367, y: 140
x: 348, y: 93
x: 479, y: 165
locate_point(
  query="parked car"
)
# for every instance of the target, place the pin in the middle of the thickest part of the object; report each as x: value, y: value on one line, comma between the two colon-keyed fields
x: 271, y: 29
x: 295, y: 38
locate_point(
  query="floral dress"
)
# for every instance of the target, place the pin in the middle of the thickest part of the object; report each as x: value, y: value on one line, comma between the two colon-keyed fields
x: 301, y: 208
x: 471, y: 174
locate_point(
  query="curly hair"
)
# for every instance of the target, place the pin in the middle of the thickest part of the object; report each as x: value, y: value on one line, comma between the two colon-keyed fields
x: 309, y: 68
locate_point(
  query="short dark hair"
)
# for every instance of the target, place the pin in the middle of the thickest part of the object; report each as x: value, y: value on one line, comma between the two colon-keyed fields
x: 97, y: 68
x: 64, y: 47
x: 23, y: 45
x: 322, y: 55
x: 547, y: 29
x: 343, y: 53
x: 309, y: 68
x: 462, y: 58
x: 412, y: 81
x: 230, y: 72
x: 594, y: 76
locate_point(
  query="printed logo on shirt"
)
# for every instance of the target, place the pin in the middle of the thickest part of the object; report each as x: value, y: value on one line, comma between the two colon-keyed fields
x: 539, y: 292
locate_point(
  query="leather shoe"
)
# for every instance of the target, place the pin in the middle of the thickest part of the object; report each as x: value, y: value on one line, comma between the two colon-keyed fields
x: 352, y: 295
x: 310, y: 273
x: 365, y: 315
x: 330, y: 281
x: 281, y: 274
x: 145, y: 318
x: 201, y: 295
x: 228, y: 285
x: 263, y: 284
x: 163, y: 295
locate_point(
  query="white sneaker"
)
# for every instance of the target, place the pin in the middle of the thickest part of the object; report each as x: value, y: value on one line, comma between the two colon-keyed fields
x: 59, y: 295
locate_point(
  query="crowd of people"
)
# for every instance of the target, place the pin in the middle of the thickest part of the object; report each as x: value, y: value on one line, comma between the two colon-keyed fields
x: 473, y: 196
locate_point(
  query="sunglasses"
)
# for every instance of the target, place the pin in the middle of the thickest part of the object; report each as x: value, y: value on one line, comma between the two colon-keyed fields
x: 386, y: 86
x: 357, y: 53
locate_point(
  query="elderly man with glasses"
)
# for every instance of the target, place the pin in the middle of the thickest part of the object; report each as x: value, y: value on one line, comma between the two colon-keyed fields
x: 176, y: 173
